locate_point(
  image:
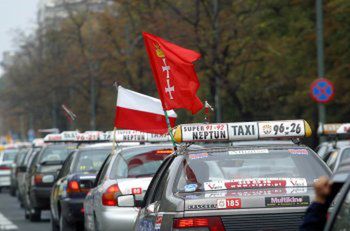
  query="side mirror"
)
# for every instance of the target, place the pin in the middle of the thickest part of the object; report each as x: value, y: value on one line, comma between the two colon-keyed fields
x: 126, y: 201
x: 48, y: 179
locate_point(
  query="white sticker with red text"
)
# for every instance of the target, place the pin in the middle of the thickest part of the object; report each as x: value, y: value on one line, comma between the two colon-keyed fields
x: 255, y: 183
x: 229, y: 203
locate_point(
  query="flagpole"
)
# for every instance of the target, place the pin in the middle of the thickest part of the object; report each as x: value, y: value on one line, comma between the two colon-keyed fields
x: 170, y: 129
x: 114, y: 145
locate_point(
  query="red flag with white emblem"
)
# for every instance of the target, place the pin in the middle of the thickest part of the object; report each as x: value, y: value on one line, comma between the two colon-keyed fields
x: 173, y: 70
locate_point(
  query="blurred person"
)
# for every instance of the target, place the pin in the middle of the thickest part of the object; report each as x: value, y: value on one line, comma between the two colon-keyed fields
x: 316, y: 214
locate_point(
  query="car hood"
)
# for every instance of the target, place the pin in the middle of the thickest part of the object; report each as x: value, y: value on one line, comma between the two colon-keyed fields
x: 248, y: 198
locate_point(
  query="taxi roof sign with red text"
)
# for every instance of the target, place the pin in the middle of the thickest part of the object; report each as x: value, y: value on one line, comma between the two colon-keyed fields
x: 98, y: 136
x: 242, y: 131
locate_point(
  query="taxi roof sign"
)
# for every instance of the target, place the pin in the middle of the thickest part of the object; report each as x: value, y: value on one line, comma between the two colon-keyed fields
x: 136, y: 136
x: 334, y: 129
x: 242, y: 131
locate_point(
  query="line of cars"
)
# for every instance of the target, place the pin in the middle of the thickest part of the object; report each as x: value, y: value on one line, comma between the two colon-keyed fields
x: 228, y: 176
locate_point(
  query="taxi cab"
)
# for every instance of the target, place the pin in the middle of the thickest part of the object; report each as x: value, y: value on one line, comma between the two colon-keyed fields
x: 337, y: 136
x: 259, y: 186
x: 128, y: 170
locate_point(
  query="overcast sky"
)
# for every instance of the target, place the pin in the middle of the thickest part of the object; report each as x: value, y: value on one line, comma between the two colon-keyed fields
x: 14, y: 15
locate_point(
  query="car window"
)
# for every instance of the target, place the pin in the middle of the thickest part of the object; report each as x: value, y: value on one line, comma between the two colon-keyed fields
x: 9, y: 155
x: 154, y: 184
x: 345, y: 154
x: 139, y: 162
x: 342, y: 221
x: 66, y: 166
x: 55, y: 153
x: 228, y: 168
x: 102, y: 173
x: 90, y: 161
x: 332, y: 159
x: 20, y: 156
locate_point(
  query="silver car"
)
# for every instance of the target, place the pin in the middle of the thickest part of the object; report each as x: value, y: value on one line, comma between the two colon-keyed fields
x: 337, y: 156
x: 128, y: 171
x: 7, y: 158
x: 254, y: 187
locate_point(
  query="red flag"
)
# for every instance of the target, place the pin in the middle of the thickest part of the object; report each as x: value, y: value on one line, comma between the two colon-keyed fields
x: 173, y: 70
x: 140, y: 112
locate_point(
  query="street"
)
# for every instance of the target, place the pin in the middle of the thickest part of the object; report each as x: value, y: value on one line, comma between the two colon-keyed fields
x: 12, y: 216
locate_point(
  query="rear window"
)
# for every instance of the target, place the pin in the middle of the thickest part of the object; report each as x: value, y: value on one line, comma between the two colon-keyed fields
x: 246, y: 167
x: 345, y: 155
x: 55, y: 153
x: 142, y: 162
x: 20, y: 156
x: 90, y: 161
x: 10, y: 155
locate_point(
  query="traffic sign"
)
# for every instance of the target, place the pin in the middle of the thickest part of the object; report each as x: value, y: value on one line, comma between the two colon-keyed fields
x: 322, y: 90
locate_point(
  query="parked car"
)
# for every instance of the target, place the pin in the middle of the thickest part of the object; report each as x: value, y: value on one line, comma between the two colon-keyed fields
x: 7, y: 158
x: 41, y: 175
x: 75, y: 179
x: 15, y: 169
x: 128, y: 171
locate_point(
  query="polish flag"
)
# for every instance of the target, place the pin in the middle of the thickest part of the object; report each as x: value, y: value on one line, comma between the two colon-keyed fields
x: 140, y: 112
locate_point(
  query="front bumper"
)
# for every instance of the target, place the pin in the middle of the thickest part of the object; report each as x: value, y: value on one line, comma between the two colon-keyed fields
x: 123, y: 218
x: 72, y: 210
x: 40, y: 197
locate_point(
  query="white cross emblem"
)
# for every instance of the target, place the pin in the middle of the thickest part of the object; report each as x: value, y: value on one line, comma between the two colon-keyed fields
x: 169, y: 89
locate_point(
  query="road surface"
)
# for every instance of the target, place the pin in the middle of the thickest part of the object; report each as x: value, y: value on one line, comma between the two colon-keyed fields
x: 12, y: 216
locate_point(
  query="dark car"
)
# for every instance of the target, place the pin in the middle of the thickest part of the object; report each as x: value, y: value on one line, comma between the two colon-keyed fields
x: 15, y: 169
x: 41, y: 175
x: 339, y: 213
x: 75, y: 179
x: 23, y: 172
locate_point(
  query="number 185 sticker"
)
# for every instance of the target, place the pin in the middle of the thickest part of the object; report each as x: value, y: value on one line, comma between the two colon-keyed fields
x: 229, y: 203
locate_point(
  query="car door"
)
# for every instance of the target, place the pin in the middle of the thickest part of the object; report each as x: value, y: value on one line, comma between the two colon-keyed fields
x: 89, y: 199
x: 58, y: 187
x: 149, y: 213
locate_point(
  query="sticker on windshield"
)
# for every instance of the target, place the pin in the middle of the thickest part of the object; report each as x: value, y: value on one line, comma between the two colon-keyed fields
x: 190, y: 187
x: 286, y: 201
x: 298, y: 151
x: 229, y: 203
x: 198, y: 156
x: 255, y: 183
x: 251, y: 151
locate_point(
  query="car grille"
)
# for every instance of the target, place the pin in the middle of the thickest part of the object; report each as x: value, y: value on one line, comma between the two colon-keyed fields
x: 263, y: 222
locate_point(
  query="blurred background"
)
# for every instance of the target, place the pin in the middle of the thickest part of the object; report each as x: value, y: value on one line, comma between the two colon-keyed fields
x: 259, y: 58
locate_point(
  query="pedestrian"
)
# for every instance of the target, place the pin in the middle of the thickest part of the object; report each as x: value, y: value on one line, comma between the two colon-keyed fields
x: 316, y: 214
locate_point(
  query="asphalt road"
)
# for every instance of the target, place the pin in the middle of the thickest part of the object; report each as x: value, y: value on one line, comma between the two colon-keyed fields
x: 12, y: 216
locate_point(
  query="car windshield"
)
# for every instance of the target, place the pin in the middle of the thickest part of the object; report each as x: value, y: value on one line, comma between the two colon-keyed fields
x: 10, y: 155
x: 55, y: 153
x: 90, y: 161
x: 248, y: 168
x: 139, y: 162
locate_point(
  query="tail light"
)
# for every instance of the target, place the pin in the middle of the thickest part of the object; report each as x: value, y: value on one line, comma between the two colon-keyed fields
x: 211, y: 223
x: 109, y: 197
x: 73, y: 187
x: 37, y: 179
x: 5, y: 167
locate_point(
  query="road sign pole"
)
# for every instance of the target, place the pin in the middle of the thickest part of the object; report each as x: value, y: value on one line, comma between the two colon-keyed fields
x: 320, y: 56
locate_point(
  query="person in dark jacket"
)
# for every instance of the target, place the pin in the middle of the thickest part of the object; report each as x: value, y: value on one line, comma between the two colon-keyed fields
x: 316, y: 214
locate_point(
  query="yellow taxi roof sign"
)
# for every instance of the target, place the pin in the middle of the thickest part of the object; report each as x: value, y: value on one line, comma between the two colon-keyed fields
x: 240, y: 131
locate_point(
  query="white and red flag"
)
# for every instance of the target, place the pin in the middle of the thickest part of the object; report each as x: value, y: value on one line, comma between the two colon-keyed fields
x: 140, y: 112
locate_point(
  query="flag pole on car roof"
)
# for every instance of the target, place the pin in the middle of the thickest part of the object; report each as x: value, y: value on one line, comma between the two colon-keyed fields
x: 114, y: 145
x: 170, y: 129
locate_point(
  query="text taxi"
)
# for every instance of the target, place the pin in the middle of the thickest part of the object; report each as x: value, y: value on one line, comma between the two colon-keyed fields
x: 250, y: 186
